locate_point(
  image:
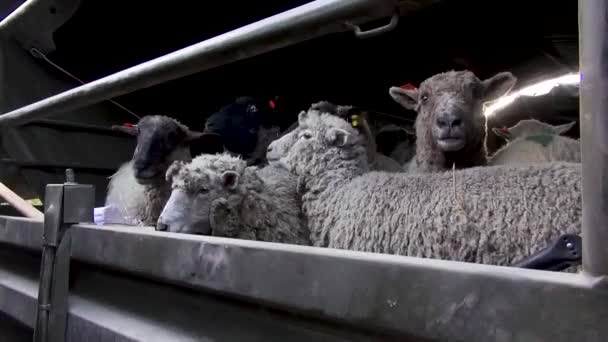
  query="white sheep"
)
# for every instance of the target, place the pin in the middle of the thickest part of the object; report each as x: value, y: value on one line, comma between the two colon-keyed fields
x: 377, y: 160
x: 450, y: 125
x: 138, y: 189
x: 533, y: 141
x: 493, y: 215
x: 219, y: 195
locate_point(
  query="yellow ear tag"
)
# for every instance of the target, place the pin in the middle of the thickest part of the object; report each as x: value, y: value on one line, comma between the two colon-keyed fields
x: 354, y: 120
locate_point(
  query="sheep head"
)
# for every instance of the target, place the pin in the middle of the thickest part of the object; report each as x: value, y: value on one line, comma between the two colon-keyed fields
x: 322, y: 142
x: 160, y: 141
x: 449, y: 107
x: 531, y: 127
x: 238, y: 123
x: 205, y: 196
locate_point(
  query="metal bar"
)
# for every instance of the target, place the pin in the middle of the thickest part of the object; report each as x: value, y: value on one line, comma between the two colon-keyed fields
x: 593, y: 39
x: 53, y: 203
x: 302, y: 23
x: 46, y: 166
x: 76, y: 127
x: 23, y: 8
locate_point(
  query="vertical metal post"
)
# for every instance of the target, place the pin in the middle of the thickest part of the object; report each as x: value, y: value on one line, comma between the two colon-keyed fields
x: 65, y: 204
x: 593, y: 47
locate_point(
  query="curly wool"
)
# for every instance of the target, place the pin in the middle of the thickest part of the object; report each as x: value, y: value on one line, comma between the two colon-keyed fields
x: 377, y: 160
x: 264, y: 205
x: 490, y: 215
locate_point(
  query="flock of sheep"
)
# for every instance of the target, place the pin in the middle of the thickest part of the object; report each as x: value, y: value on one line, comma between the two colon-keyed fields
x: 325, y: 182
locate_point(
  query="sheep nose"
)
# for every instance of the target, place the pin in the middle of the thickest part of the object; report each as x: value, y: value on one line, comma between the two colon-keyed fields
x: 162, y: 227
x: 449, y: 121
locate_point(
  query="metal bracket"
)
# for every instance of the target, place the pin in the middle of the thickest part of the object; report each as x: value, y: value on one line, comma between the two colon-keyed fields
x: 377, y: 31
x: 566, y: 251
x: 65, y: 204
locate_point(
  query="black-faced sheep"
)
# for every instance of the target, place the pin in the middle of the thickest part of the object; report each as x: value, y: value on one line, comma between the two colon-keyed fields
x: 492, y: 215
x: 138, y: 189
x: 219, y: 195
x: 242, y: 126
x: 451, y: 126
x: 533, y: 141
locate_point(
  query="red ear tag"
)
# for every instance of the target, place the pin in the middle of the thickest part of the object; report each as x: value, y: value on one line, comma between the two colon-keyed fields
x: 271, y: 104
x: 128, y: 125
x: 407, y: 86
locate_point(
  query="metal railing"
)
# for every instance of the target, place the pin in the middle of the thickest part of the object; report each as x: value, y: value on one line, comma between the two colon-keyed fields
x: 315, y: 19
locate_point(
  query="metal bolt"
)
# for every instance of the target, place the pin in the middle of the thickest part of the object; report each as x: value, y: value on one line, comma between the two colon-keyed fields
x: 69, y: 176
x: 570, y: 245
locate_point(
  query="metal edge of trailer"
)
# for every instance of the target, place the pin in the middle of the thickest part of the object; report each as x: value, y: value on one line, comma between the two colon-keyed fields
x: 405, y: 296
x: 312, y: 20
x: 593, y: 46
x: 107, y: 307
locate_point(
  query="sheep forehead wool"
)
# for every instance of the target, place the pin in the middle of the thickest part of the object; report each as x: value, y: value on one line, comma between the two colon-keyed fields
x: 458, y: 81
x: 324, y: 142
x: 204, y: 172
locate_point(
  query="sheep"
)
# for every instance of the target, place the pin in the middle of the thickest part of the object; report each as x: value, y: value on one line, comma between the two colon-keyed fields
x: 219, y: 195
x: 239, y: 124
x: 492, y: 215
x: 450, y: 126
x: 138, y: 189
x: 378, y: 161
x: 533, y: 141
x: 265, y: 136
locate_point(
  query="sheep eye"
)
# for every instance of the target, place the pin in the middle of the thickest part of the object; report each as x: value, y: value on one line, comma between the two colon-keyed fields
x: 252, y: 109
x: 202, y: 191
x: 424, y: 98
x: 307, y: 135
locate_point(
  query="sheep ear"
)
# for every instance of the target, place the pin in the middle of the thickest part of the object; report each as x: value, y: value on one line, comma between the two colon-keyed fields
x: 338, y: 137
x: 230, y: 179
x: 497, y: 85
x: 407, y: 98
x: 561, y: 129
x: 302, y: 116
x: 130, y: 130
x: 174, y: 169
x: 502, y: 132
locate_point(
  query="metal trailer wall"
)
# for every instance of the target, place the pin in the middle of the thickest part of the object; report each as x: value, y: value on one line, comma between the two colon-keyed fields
x: 37, y: 154
x: 139, y: 284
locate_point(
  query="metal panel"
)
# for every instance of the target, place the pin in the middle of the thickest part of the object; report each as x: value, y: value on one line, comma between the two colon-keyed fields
x: 385, y: 293
x: 114, y: 307
x: 311, y: 20
x: 593, y: 26
x: 18, y: 289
